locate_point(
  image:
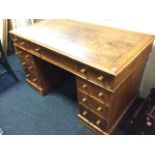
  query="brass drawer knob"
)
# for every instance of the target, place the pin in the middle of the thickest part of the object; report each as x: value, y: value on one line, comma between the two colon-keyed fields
x: 22, y: 43
x: 84, y: 99
x: 83, y: 70
x: 34, y: 80
x: 84, y: 113
x: 100, y: 78
x: 99, y: 109
x: 15, y: 40
x: 98, y: 122
x: 100, y: 94
x: 27, y: 56
x: 27, y: 75
x: 37, y: 49
x: 19, y: 52
x: 30, y: 67
x: 84, y: 86
x: 23, y: 63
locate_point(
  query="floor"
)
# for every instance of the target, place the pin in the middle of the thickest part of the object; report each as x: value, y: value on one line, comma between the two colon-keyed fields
x: 23, y: 111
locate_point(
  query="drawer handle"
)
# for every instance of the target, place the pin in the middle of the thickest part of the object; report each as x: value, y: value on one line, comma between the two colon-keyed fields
x: 15, y: 39
x: 27, y: 56
x: 30, y: 67
x: 23, y: 63
x: 27, y: 75
x: 107, y: 86
x: 99, y: 109
x: 37, y: 49
x: 34, y: 80
x: 84, y: 113
x: 83, y: 70
x: 100, y: 78
x: 100, y: 94
x: 22, y: 43
x: 84, y: 86
x: 84, y: 99
x: 98, y: 122
x: 19, y: 52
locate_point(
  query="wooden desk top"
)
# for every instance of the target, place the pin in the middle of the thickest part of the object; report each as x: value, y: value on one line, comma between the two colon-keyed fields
x: 105, y: 48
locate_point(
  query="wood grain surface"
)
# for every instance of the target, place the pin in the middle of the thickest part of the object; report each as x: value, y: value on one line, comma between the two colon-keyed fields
x: 105, y: 48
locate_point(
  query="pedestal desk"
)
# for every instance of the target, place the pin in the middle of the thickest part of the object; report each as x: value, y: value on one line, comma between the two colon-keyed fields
x: 108, y: 64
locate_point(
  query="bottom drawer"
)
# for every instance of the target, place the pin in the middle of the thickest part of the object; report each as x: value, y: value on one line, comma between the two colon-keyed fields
x: 33, y: 78
x: 93, y: 118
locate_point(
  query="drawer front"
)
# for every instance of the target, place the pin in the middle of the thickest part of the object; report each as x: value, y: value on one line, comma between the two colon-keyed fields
x: 95, y: 76
x: 68, y: 63
x: 50, y: 55
x: 24, y: 55
x: 21, y: 43
x: 99, y: 78
x: 93, y: 104
x: 29, y: 67
x: 93, y: 118
x: 58, y: 59
x: 82, y: 70
x: 33, y: 78
x: 93, y: 90
x: 35, y: 49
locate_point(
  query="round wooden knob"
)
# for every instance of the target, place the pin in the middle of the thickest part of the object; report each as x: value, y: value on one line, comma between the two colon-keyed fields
x: 27, y: 75
x: 99, y: 109
x: 22, y: 43
x: 100, y: 94
x: 100, y: 78
x: 34, y: 80
x: 23, y: 63
x: 107, y: 86
x: 84, y: 113
x: 37, y: 49
x: 30, y: 67
x: 19, y: 52
x: 27, y: 56
x: 84, y: 99
x: 15, y: 39
x: 98, y: 122
x: 83, y: 70
x: 84, y: 86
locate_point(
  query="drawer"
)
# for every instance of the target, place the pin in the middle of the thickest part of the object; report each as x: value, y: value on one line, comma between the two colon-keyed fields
x: 50, y: 55
x: 93, y: 104
x: 99, y: 78
x: 35, y: 49
x: 32, y: 78
x: 24, y: 55
x: 29, y: 67
x: 58, y: 59
x: 93, y: 90
x: 20, y: 43
x: 68, y: 63
x: 95, y: 76
x: 82, y: 69
x: 93, y: 118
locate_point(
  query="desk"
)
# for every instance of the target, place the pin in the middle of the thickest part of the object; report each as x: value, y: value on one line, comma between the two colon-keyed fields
x: 108, y: 64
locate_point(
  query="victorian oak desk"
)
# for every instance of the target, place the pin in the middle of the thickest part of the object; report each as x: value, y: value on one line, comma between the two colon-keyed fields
x: 108, y: 64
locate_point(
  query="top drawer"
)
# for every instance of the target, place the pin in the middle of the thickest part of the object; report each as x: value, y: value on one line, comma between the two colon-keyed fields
x: 20, y: 43
x: 95, y: 76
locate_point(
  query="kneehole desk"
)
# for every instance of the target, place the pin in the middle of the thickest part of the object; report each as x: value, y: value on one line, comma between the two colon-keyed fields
x: 108, y: 64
